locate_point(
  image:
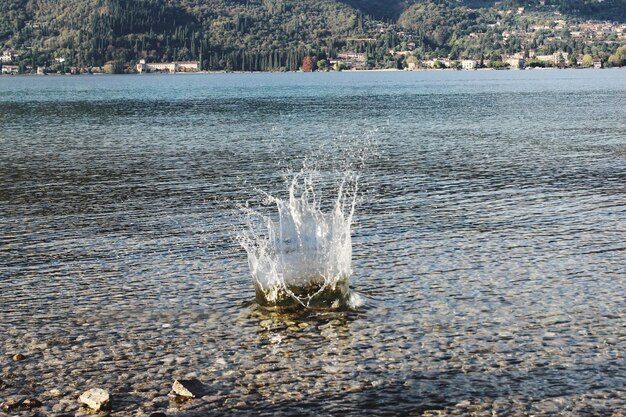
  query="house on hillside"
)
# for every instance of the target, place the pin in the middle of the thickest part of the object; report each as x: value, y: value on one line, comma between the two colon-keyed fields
x: 7, y: 56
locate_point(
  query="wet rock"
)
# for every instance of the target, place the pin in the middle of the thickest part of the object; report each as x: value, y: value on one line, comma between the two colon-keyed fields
x: 159, y: 414
x: 55, y: 393
x: 96, y: 399
x: 9, y: 374
x: 10, y: 404
x: 4, y: 385
x: 18, y: 357
x: 31, y: 403
x: 188, y: 388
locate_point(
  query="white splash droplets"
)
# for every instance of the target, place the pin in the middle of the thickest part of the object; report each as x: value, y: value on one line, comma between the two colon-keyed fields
x: 304, y: 243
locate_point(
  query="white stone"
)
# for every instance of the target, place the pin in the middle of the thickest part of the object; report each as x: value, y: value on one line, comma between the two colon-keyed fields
x: 96, y: 398
x: 189, y: 388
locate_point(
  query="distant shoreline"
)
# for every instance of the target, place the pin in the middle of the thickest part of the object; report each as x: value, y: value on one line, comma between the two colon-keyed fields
x: 320, y: 72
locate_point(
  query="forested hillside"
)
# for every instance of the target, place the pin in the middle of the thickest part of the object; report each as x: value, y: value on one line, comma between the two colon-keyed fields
x: 585, y: 9
x: 223, y: 34
x: 259, y: 35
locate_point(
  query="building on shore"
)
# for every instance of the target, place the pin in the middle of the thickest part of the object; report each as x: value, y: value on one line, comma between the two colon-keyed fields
x: 10, y: 69
x: 352, y: 56
x: 515, y: 62
x: 354, y: 60
x: 438, y: 63
x: 557, y: 58
x: 468, y: 64
x: 177, y: 66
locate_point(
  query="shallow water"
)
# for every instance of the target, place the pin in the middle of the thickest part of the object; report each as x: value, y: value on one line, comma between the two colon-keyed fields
x: 488, y: 246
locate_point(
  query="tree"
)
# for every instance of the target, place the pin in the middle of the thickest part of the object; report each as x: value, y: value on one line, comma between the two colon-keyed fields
x: 412, y: 60
x: 322, y: 65
x: 614, y: 60
x: 498, y: 65
x: 114, y: 67
x: 307, y: 64
x: 587, y: 61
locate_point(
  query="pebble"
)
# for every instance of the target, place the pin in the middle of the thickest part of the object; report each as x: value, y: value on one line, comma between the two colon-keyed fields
x: 96, y: 398
x: 18, y: 357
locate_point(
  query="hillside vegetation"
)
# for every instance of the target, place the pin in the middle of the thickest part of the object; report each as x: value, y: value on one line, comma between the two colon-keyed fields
x: 259, y: 35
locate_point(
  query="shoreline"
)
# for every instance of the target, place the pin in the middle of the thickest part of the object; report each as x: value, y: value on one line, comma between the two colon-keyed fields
x: 320, y: 72
x: 302, y: 72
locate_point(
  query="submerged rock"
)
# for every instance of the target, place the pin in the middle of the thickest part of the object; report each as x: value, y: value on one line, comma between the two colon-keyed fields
x: 96, y: 398
x: 188, y: 388
x: 314, y: 293
x: 10, y: 404
x: 31, y: 403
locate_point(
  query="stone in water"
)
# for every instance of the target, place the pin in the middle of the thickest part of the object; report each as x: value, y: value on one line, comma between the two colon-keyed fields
x: 188, y: 388
x: 96, y: 398
x: 9, y: 405
x: 31, y: 403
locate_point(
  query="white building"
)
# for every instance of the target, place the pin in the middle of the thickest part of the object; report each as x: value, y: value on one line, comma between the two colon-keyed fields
x: 437, y: 62
x: 352, y: 56
x: 556, y: 58
x: 177, y: 66
x: 7, y: 56
x: 10, y: 69
x: 468, y: 64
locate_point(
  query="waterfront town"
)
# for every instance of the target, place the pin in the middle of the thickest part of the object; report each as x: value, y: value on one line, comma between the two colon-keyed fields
x: 536, y: 45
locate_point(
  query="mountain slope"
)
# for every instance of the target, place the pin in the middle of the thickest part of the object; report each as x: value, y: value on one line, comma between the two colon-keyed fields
x: 97, y: 31
x: 259, y: 35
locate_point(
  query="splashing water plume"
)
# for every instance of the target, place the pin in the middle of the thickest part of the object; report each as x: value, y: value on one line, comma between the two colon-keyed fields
x: 301, y: 255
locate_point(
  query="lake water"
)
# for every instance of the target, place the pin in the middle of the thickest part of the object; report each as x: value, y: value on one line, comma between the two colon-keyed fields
x: 488, y: 246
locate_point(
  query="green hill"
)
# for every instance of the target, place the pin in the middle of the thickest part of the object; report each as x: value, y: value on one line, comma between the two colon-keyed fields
x: 259, y: 35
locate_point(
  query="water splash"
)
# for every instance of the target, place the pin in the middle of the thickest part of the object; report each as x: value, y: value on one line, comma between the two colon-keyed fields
x: 300, y: 249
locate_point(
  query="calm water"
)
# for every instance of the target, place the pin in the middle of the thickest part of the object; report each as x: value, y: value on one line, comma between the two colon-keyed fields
x: 489, y: 244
